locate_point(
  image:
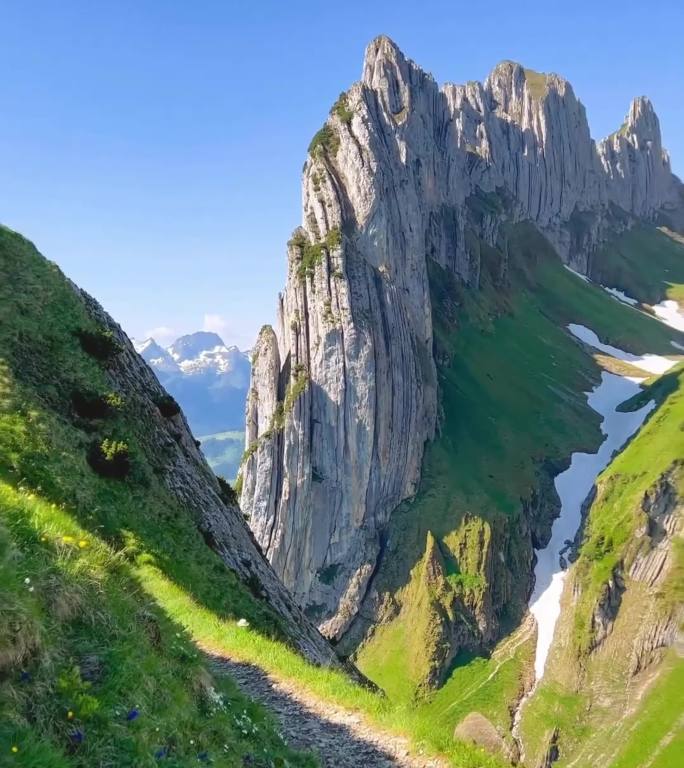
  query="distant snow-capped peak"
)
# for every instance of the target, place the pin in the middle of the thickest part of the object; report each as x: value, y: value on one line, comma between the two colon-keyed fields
x: 196, y: 353
x: 192, y: 345
x: 156, y: 356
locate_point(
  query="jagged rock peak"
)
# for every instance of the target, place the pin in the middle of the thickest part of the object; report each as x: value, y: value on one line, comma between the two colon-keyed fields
x: 265, y: 375
x: 516, y: 78
x: 433, y: 561
x: 636, y: 168
x: 382, y: 52
x: 192, y: 344
x: 383, y: 55
x: 642, y: 120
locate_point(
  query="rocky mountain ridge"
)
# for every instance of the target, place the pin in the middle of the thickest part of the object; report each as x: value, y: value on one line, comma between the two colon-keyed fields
x: 344, y: 392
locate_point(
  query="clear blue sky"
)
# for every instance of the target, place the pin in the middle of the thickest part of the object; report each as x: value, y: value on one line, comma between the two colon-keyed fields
x: 154, y: 149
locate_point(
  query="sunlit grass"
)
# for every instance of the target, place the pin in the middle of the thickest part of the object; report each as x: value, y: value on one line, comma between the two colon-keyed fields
x: 222, y: 637
x: 92, y: 670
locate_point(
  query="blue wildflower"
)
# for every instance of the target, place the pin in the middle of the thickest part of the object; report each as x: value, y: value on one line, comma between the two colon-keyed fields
x: 161, y: 753
x: 203, y: 756
x: 76, y: 736
x: 132, y: 714
x: 25, y: 676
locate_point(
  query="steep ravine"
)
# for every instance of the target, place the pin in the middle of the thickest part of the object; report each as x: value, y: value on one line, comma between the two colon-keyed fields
x: 119, y: 552
x: 512, y: 382
x: 611, y: 689
x: 574, y: 487
x: 189, y: 478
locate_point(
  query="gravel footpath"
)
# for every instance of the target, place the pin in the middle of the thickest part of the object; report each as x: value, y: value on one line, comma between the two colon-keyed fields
x: 338, y: 737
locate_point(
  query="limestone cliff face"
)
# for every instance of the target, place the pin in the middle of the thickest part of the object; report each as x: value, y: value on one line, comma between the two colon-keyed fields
x: 344, y: 392
x: 635, y: 165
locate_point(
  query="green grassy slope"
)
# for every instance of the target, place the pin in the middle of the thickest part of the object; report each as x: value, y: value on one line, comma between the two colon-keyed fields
x: 512, y: 382
x: 646, y: 264
x: 92, y: 669
x: 223, y: 451
x: 616, y: 716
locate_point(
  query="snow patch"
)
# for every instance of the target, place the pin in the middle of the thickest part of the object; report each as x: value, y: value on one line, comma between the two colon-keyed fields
x: 577, y: 274
x: 620, y: 296
x: 671, y: 314
x: 220, y: 359
x: 573, y: 485
x: 141, y: 346
x: 650, y: 363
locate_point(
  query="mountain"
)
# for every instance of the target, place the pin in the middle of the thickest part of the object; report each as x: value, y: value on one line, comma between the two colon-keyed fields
x: 210, y: 381
x: 405, y: 175
x: 204, y: 352
x: 157, y: 358
x: 423, y: 391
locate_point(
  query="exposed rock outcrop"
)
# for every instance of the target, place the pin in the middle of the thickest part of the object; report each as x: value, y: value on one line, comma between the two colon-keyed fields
x: 552, y: 752
x: 648, y: 564
x: 664, y: 512
x: 607, y: 607
x: 478, y: 730
x: 403, y: 170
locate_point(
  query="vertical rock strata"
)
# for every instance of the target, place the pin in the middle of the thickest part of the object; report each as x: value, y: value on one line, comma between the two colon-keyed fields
x: 344, y: 392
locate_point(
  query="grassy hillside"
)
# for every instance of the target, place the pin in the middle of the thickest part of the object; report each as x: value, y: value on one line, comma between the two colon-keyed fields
x: 92, y: 669
x: 512, y: 382
x: 646, y: 264
x: 621, y: 712
x: 107, y: 590
x: 223, y: 451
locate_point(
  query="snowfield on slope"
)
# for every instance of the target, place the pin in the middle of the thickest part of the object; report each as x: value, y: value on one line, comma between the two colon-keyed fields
x: 621, y: 296
x: 575, y: 483
x: 667, y: 311
x: 654, y: 364
x: 670, y: 313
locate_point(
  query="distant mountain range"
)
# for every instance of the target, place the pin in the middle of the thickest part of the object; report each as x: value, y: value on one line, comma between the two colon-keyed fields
x: 210, y: 382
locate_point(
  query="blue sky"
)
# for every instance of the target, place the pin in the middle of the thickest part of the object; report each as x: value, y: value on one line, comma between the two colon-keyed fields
x: 154, y: 149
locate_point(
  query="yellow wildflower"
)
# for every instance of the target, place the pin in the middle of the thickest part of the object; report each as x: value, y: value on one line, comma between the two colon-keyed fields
x: 15, y: 748
x: 82, y: 544
x: 70, y: 715
x: 68, y: 539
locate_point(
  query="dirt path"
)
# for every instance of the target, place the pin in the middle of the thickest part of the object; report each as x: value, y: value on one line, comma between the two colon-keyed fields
x: 340, y: 738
